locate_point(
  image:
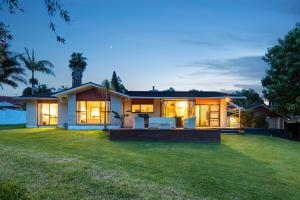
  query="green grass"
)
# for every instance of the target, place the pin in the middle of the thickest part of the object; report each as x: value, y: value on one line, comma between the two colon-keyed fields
x: 61, y: 164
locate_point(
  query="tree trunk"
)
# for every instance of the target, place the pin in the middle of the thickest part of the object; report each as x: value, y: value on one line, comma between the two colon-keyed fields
x: 105, y: 108
x: 32, y: 82
x: 76, y: 78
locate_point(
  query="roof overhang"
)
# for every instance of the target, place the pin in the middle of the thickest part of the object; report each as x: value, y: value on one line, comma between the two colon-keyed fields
x: 166, y: 97
x: 35, y: 98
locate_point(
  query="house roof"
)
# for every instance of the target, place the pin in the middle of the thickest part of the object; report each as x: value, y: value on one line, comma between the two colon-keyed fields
x: 179, y: 94
x: 136, y: 94
x: 11, y: 100
x: 263, y: 108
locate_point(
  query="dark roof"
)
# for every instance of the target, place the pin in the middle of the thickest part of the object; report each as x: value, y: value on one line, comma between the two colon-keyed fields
x: 179, y: 94
x: 42, y: 95
x: 264, y: 109
x: 11, y: 100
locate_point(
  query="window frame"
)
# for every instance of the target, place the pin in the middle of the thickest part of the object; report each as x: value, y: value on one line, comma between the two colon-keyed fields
x: 49, y: 120
x: 140, y: 105
x: 86, y: 113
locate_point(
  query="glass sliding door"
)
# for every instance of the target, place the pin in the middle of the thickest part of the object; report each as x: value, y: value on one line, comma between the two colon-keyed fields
x: 207, y: 115
x: 47, y: 114
x: 202, y: 115
x: 179, y: 109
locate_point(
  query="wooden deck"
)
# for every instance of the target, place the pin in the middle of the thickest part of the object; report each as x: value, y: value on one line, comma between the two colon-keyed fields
x: 177, y: 135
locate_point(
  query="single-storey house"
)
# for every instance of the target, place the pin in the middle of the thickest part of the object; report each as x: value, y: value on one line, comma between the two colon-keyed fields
x: 274, y: 120
x: 88, y: 107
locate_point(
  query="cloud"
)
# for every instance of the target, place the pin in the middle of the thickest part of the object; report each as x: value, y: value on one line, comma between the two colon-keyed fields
x: 194, y: 42
x: 250, y: 67
x: 257, y: 87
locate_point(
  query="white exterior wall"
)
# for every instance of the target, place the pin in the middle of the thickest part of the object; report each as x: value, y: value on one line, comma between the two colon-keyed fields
x: 11, y: 116
x: 72, y: 110
x: 223, y: 113
x: 31, y: 114
x: 116, y: 106
x: 275, y: 122
x: 62, y: 113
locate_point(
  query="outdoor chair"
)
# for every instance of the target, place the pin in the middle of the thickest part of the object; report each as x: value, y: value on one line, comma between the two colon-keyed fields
x: 190, y: 122
x: 138, y: 122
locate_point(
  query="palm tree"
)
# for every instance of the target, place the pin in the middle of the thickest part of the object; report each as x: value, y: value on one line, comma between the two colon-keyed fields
x: 34, y: 66
x: 10, y: 70
x: 40, y: 89
x: 77, y: 64
x: 106, y: 85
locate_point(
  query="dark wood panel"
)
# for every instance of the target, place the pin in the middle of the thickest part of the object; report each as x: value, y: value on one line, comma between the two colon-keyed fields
x: 91, y: 95
x: 179, y: 135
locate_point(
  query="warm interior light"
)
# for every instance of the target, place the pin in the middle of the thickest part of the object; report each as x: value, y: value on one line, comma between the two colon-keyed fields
x: 95, y: 112
x: 227, y: 99
x: 182, y: 104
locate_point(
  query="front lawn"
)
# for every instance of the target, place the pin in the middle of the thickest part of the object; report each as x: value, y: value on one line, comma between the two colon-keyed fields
x: 60, y: 164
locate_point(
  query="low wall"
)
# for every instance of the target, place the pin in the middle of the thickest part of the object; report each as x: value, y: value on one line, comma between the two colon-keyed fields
x: 10, y: 116
x: 178, y: 135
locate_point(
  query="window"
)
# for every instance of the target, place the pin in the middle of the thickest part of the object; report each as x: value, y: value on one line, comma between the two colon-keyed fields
x: 214, y: 115
x: 142, y: 108
x: 47, y: 114
x: 92, y: 112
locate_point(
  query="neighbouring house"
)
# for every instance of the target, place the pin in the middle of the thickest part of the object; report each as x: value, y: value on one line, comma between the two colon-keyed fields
x: 274, y: 120
x: 83, y: 107
x: 12, y: 111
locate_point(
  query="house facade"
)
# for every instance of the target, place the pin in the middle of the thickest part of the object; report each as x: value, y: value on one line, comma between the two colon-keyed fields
x: 89, y: 106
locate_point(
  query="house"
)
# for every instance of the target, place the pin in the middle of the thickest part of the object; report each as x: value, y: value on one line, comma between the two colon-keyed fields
x: 84, y: 107
x: 274, y: 120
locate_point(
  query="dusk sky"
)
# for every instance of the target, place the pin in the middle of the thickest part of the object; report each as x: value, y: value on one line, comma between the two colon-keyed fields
x: 204, y: 45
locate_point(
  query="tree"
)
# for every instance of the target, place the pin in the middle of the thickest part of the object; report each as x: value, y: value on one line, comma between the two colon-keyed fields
x: 11, y: 73
x: 41, y: 89
x: 282, y: 81
x: 116, y: 83
x: 252, y: 119
x: 34, y: 66
x: 252, y: 98
x: 54, y: 8
x: 106, y: 86
x: 77, y: 64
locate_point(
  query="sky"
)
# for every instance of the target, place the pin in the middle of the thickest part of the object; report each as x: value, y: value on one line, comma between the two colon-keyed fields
x: 193, y: 44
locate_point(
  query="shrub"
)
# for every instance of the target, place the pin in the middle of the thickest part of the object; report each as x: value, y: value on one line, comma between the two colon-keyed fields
x: 11, y: 191
x: 252, y: 119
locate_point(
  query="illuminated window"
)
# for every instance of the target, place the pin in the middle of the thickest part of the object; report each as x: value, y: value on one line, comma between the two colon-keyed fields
x: 142, y: 108
x: 47, y: 114
x: 92, y: 112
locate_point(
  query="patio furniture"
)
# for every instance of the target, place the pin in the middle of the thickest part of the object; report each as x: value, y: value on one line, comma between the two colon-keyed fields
x: 162, y: 122
x: 190, y: 122
x: 138, y: 122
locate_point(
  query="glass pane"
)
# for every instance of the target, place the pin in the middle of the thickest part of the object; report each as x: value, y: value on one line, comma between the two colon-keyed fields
x: 214, y: 122
x: 214, y: 115
x: 81, y: 117
x: 93, y: 112
x: 135, y: 108
x: 214, y: 108
x: 81, y: 112
x: 53, y: 114
x: 204, y: 117
x: 146, y: 108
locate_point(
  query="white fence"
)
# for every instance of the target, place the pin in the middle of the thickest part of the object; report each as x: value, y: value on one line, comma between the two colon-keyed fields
x: 10, y: 116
